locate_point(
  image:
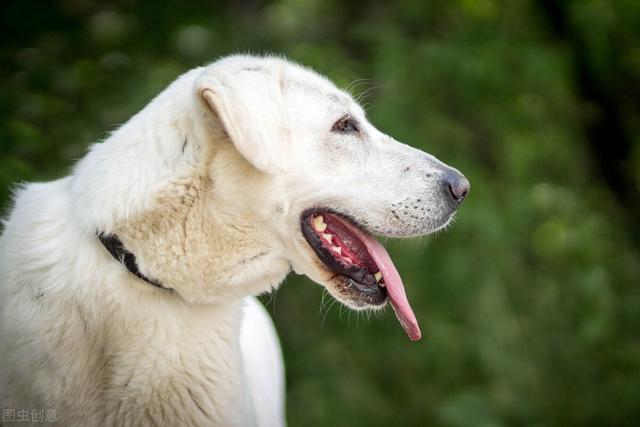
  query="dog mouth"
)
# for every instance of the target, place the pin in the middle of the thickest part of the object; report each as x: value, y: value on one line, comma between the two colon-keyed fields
x: 360, y: 262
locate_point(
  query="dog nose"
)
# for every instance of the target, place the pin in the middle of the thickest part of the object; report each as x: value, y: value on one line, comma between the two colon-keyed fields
x: 458, y: 185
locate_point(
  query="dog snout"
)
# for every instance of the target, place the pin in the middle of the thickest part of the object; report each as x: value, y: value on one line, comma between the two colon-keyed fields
x: 457, y: 185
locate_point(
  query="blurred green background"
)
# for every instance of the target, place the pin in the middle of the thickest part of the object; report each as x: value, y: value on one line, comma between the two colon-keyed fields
x: 530, y: 304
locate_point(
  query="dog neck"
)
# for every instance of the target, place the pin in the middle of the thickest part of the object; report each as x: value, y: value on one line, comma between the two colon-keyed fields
x: 189, y: 243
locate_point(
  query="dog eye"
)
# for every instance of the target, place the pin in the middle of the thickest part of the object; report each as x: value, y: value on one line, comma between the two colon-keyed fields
x: 345, y: 125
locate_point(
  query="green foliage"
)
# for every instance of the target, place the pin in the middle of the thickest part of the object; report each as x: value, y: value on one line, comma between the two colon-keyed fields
x: 529, y: 305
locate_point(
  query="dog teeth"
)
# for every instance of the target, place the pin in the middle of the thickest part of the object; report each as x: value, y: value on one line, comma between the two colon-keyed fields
x: 337, y: 249
x: 318, y: 223
x: 328, y: 237
x: 382, y: 285
x: 378, y: 276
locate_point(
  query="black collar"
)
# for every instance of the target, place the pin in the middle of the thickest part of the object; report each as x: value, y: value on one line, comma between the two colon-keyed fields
x: 120, y: 253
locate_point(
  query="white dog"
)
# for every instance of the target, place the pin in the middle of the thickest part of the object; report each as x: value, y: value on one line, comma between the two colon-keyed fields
x: 127, y: 286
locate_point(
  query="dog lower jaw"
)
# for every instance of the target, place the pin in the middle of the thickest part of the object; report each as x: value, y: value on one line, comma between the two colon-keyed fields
x: 351, y: 294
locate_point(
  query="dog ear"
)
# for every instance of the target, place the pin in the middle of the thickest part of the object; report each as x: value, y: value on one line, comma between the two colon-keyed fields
x: 249, y: 103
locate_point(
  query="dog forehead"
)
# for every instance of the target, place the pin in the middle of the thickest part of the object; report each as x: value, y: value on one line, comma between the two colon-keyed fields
x: 311, y: 88
x: 294, y: 78
x: 305, y: 81
x: 306, y: 91
x: 311, y: 94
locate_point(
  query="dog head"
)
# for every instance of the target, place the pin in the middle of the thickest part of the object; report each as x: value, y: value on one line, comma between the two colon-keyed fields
x: 303, y: 158
x: 243, y: 169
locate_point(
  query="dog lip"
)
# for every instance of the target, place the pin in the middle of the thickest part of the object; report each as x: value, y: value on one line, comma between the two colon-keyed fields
x: 320, y: 211
x: 358, y: 277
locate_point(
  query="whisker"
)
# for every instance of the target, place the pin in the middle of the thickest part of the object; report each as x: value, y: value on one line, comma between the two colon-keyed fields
x: 365, y: 93
x: 333, y: 301
x: 354, y: 84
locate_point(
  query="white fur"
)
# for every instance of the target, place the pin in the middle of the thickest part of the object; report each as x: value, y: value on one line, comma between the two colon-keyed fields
x: 205, y: 186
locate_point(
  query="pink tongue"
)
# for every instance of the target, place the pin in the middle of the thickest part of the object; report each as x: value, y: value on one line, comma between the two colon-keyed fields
x: 392, y: 280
